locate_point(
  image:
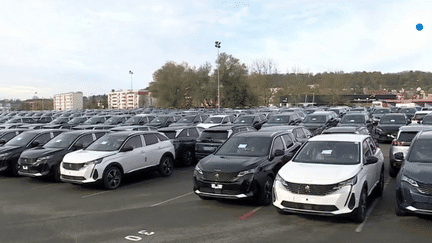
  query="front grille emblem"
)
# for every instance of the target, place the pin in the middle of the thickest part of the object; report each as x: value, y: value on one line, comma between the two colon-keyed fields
x: 307, y: 188
x: 217, y: 176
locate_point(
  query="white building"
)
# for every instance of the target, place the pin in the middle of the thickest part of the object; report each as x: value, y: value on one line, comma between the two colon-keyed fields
x: 129, y: 99
x: 68, y: 101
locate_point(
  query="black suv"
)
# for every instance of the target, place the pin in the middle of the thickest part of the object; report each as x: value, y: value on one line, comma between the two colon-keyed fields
x: 213, y: 137
x: 284, y: 119
x: 357, y: 119
x: 389, y: 125
x: 184, y: 140
x: 244, y: 167
x: 45, y: 161
x: 11, y: 151
x: 414, y: 181
x: 255, y: 120
x: 320, y: 120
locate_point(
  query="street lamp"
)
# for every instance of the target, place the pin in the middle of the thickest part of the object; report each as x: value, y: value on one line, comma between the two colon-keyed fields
x: 130, y: 72
x: 217, y: 45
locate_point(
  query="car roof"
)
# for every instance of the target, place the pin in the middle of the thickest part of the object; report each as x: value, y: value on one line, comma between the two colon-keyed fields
x: 340, y: 137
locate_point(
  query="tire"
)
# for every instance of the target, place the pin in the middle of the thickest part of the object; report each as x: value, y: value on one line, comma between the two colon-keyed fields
x: 57, y: 173
x: 359, y: 213
x: 166, y: 166
x: 111, y: 178
x: 379, y: 190
x: 188, y: 158
x: 265, y: 192
x: 393, y: 171
x: 15, y: 168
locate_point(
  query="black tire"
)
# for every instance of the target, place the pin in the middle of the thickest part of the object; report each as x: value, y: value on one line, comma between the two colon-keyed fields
x: 265, y: 192
x: 166, y: 166
x: 359, y: 213
x: 188, y: 158
x: 379, y: 190
x: 400, y: 211
x: 56, y: 169
x: 111, y: 178
x: 15, y: 168
x: 393, y: 171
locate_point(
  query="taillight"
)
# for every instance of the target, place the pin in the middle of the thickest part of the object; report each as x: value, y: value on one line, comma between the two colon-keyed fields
x: 397, y: 143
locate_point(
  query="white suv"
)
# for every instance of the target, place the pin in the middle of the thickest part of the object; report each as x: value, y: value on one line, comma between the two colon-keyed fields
x: 116, y: 154
x: 331, y: 175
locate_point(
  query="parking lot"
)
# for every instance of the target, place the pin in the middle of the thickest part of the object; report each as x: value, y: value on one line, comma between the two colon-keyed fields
x: 150, y: 208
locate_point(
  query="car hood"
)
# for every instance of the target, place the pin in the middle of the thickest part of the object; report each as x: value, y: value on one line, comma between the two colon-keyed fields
x: 38, y: 152
x: 320, y: 174
x: 207, y: 125
x: 82, y: 156
x: 6, y: 149
x: 229, y: 163
x: 420, y: 172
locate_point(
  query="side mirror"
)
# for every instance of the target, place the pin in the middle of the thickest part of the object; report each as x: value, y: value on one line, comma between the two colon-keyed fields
x: 34, y: 144
x: 78, y: 146
x: 279, y: 152
x: 126, y: 149
x: 2, y: 141
x: 371, y: 160
x: 399, y: 156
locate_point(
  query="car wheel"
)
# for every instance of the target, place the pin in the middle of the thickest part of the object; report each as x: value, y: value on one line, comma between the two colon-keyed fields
x: 57, y: 173
x: 393, y: 171
x: 15, y: 168
x: 265, y: 193
x: 166, y: 166
x: 112, y: 178
x: 188, y: 158
x: 359, y: 213
x: 380, y: 187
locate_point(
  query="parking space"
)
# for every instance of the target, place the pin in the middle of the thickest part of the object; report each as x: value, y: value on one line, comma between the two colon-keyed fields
x: 150, y: 208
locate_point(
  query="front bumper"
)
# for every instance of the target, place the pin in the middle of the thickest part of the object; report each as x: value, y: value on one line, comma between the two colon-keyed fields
x: 84, y: 175
x: 240, y: 189
x: 411, y: 199
x: 339, y: 202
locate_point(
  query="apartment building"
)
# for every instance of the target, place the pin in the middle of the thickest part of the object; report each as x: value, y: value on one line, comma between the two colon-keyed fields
x: 129, y: 99
x: 68, y: 101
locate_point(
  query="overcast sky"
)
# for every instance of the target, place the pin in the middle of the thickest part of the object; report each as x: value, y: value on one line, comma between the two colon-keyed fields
x: 59, y: 46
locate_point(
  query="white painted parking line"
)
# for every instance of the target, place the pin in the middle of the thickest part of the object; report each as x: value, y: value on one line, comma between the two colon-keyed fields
x: 94, y: 194
x: 172, y: 199
x: 360, y: 227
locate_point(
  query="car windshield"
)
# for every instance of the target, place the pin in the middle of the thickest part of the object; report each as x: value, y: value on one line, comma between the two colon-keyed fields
x: 63, y: 140
x: 158, y: 120
x: 329, y: 152
x: 419, y: 116
x: 392, y: 120
x: 314, y: 119
x: 352, y: 119
x: 279, y: 119
x: 75, y: 120
x: 112, y: 120
x: 381, y: 111
x: 92, y: 120
x: 408, y: 110
x: 108, y: 142
x: 421, y: 151
x: 245, y: 146
x: 133, y: 120
x: 244, y: 119
x: 427, y: 120
x: 187, y: 119
x: 21, y: 140
x: 213, y: 120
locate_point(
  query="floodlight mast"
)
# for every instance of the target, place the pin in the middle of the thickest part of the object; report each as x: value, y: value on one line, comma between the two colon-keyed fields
x: 217, y: 45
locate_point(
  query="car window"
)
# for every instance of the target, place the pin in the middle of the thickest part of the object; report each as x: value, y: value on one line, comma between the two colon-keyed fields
x: 193, y: 133
x: 85, y: 140
x: 134, y: 142
x: 150, y: 139
x: 99, y: 134
x: 277, y: 144
x: 42, y: 139
x: 161, y: 137
x: 372, y: 145
x: 300, y: 133
x: 421, y: 151
x: 183, y: 134
x: 366, y: 150
x: 8, y: 136
x: 288, y: 140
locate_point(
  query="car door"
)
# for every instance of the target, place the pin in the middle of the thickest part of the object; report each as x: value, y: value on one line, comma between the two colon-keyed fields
x: 368, y: 170
x: 153, y: 150
x: 376, y: 151
x: 134, y: 159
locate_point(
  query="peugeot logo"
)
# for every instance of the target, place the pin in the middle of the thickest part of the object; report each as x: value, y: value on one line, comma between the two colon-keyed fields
x: 307, y: 188
x: 217, y: 176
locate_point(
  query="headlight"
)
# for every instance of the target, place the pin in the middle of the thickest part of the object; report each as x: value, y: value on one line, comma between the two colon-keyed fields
x: 281, y: 180
x: 243, y: 173
x: 4, y: 155
x: 350, y: 182
x: 90, y: 163
x: 198, y: 169
x: 409, y: 180
x: 42, y: 160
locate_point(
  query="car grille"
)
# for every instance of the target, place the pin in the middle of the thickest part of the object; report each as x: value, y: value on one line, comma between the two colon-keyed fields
x: 425, y: 188
x: 72, y: 166
x: 319, y: 190
x: 76, y: 178
x: 219, y: 176
x: 305, y: 206
x: 26, y: 161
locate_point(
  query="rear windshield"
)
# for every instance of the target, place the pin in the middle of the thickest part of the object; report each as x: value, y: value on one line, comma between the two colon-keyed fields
x: 214, y: 135
x: 406, y: 136
x: 421, y: 151
x: 314, y: 119
x: 279, y: 119
x: 392, y: 120
x: 353, y: 119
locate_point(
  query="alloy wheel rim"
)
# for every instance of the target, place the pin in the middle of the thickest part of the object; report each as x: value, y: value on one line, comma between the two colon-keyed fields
x: 114, y: 178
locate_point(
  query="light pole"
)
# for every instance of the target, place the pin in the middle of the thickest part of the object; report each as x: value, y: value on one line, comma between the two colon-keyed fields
x: 130, y: 72
x: 217, y: 45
